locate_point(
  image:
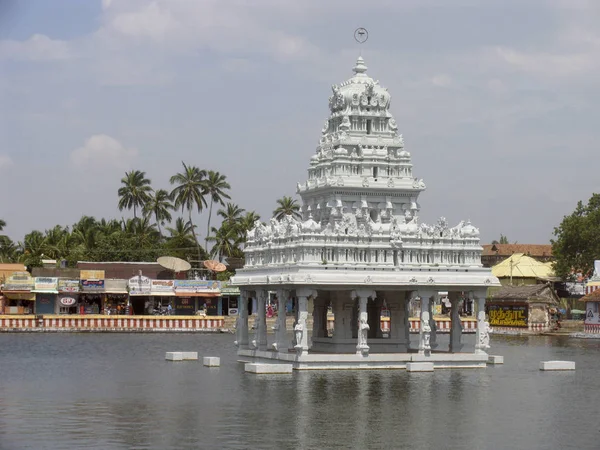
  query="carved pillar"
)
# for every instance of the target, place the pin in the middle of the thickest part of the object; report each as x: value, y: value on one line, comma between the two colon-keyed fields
x: 425, y: 326
x: 456, y: 327
x: 482, y: 339
x: 241, y: 331
x: 300, y: 330
x: 280, y: 343
x: 260, y: 322
x: 407, y: 301
x: 362, y: 323
x: 433, y: 337
x: 295, y: 313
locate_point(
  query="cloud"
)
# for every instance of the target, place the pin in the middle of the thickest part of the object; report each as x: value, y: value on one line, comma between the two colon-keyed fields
x: 38, y: 47
x: 103, y: 151
x: 441, y: 80
x: 5, y: 162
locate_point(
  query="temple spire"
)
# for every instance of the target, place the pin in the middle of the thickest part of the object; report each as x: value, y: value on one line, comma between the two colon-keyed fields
x: 360, y: 67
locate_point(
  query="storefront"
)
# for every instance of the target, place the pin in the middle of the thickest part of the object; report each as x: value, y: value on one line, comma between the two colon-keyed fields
x: 163, y: 295
x: 116, y: 297
x: 18, y: 292
x: 192, y: 296
x: 46, y: 293
x: 139, y: 294
x: 230, y: 296
x: 68, y: 297
x: 92, y: 291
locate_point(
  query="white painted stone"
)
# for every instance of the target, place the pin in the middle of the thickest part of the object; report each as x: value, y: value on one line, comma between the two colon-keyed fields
x: 419, y: 367
x: 495, y: 359
x: 557, y: 365
x: 174, y: 356
x: 190, y: 356
x: 268, y: 368
x: 211, y: 361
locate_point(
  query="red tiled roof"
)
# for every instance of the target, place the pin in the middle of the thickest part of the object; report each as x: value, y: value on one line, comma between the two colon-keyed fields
x: 508, y: 249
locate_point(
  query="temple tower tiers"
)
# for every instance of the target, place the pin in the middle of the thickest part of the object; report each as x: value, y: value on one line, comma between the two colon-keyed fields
x: 360, y: 243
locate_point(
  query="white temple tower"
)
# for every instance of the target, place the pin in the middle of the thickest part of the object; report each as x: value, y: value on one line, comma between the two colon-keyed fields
x: 360, y: 245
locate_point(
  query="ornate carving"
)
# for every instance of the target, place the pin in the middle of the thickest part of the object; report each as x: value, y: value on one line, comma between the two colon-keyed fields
x: 430, y: 280
x: 365, y: 182
x: 413, y: 280
x: 368, y: 279
x: 308, y: 279
x: 390, y: 183
x: 340, y: 181
x: 484, y: 336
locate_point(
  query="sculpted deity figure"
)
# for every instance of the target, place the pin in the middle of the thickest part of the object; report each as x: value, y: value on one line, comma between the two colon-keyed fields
x: 255, y: 327
x: 363, y: 330
x: 238, y: 330
x: 426, y: 334
x: 299, y: 331
x: 484, y: 336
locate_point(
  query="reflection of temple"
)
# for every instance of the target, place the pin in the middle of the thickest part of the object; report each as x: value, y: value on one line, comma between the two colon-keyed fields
x: 360, y: 246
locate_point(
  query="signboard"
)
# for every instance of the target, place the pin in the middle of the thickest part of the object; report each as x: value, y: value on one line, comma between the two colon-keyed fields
x: 92, y: 275
x: 162, y: 286
x: 92, y: 285
x: 19, y: 281
x: 67, y: 301
x: 46, y: 283
x: 197, y: 286
x: 139, y: 285
x: 592, y: 314
x: 68, y: 285
x: 508, y: 315
x: 184, y: 306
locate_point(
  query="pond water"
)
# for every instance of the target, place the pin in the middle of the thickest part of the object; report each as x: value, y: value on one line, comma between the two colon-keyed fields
x: 116, y: 391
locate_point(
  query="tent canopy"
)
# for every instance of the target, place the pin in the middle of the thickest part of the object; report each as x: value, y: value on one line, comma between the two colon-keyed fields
x: 522, y: 266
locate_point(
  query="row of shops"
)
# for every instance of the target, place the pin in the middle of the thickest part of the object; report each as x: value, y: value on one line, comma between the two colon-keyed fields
x: 92, y: 293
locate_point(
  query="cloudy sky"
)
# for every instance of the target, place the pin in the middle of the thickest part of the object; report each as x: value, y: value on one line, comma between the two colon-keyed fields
x: 497, y: 100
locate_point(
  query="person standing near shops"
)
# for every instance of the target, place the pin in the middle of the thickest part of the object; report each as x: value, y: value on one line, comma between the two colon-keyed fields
x: 169, y: 309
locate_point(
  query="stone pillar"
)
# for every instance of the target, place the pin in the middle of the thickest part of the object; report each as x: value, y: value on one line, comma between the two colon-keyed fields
x: 280, y: 343
x: 456, y: 327
x: 482, y: 339
x: 399, y: 324
x: 433, y: 337
x: 295, y: 313
x: 300, y: 329
x: 241, y: 331
x: 405, y: 319
x: 260, y: 322
x: 425, y: 325
x: 363, y: 327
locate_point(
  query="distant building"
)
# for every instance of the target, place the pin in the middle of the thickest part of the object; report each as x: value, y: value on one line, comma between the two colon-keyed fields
x: 495, y: 253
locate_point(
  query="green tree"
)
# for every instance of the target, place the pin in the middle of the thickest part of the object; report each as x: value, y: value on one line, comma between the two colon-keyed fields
x: 188, y: 194
x: 135, y: 191
x: 287, y: 206
x: 215, y: 186
x: 503, y: 240
x: 159, y: 204
x: 226, y: 239
x: 9, y: 251
x: 232, y: 214
x: 181, y: 241
x: 576, y: 242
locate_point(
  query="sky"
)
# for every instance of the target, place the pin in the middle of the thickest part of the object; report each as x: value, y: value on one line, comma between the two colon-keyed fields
x: 497, y: 101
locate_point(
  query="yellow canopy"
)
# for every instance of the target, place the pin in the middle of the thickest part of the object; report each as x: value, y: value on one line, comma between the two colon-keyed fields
x: 522, y: 266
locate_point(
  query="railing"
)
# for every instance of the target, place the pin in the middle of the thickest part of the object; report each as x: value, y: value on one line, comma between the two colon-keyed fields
x: 92, y: 322
x: 443, y: 324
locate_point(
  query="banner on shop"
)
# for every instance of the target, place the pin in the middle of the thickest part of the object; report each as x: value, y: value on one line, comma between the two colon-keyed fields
x: 184, y: 306
x: 92, y: 275
x: 92, y: 285
x: 508, y: 315
x: 139, y: 285
x: 19, y: 281
x: 46, y: 283
x: 68, y: 285
x: 197, y: 286
x: 159, y: 287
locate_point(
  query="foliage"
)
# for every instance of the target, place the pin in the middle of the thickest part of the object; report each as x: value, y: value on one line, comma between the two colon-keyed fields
x: 215, y: 186
x: 287, y: 206
x: 135, y: 192
x: 577, y: 240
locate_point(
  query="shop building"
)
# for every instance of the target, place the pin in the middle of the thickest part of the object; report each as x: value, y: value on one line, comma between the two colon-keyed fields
x: 139, y: 294
x: 46, y: 294
x: 192, y: 296
x: 17, y: 290
x: 229, y: 301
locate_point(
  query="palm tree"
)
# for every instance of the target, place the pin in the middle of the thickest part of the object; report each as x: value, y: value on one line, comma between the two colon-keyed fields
x: 232, y: 214
x: 214, y: 186
x: 247, y: 222
x: 135, y: 191
x: 159, y: 205
x: 182, y: 230
x: 287, y: 206
x: 225, y: 238
x: 9, y: 251
x: 189, y: 193
x: 2, y: 224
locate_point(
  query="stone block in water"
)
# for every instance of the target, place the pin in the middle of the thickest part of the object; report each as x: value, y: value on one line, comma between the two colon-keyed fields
x: 211, y: 361
x: 190, y: 356
x: 557, y: 365
x: 174, y: 356
x: 495, y: 359
x: 268, y: 368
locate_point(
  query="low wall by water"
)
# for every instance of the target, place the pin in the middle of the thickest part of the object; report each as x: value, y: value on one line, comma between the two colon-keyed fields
x: 591, y: 328
x: 92, y: 322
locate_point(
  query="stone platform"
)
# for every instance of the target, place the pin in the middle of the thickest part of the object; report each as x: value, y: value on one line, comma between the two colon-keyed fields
x: 352, y: 361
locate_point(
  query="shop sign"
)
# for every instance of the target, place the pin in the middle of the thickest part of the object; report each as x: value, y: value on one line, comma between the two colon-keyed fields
x: 508, y: 315
x: 184, y: 306
x: 92, y: 285
x: 46, y: 283
x: 592, y: 313
x: 139, y: 285
x: 197, y: 286
x: 19, y: 281
x: 92, y: 275
x: 67, y: 301
x: 159, y: 286
x: 68, y: 285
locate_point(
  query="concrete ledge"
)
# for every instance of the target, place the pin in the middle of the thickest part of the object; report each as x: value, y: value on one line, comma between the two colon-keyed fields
x: 495, y: 359
x: 190, y: 356
x: 211, y: 361
x: 557, y: 365
x: 268, y: 368
x: 174, y: 356
x: 419, y: 367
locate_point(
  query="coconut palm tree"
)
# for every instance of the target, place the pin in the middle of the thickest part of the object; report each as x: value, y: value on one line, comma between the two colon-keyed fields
x: 215, y: 185
x: 159, y: 205
x: 9, y: 252
x: 225, y: 238
x: 189, y: 193
x: 287, y: 206
x: 247, y: 222
x: 135, y: 191
x: 232, y: 214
